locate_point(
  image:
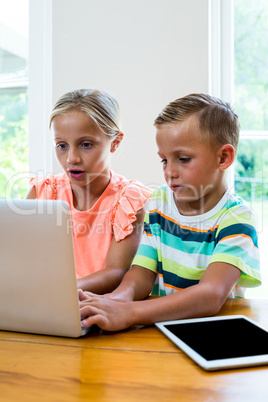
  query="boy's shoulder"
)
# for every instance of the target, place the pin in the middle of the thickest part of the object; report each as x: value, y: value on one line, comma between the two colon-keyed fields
x: 233, y: 202
x: 234, y: 210
x: 160, y: 193
x: 230, y: 208
x: 161, y: 198
x: 162, y: 203
x: 234, y: 199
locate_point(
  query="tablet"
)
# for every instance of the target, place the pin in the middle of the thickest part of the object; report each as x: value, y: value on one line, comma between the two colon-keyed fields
x: 217, y: 343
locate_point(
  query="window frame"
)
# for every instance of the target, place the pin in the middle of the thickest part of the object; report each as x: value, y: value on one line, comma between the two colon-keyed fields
x: 221, y: 38
x: 40, y: 86
x: 222, y: 79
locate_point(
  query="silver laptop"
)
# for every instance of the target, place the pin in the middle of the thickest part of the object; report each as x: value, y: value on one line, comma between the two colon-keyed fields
x: 38, y: 290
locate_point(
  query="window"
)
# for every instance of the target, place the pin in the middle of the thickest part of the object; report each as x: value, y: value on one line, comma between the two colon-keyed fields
x: 13, y: 97
x: 250, y: 86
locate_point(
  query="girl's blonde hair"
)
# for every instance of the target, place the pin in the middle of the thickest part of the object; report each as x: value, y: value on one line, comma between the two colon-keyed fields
x: 99, y: 106
x: 218, y: 123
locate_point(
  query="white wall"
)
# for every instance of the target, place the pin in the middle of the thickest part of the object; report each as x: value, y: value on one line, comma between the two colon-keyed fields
x: 146, y: 52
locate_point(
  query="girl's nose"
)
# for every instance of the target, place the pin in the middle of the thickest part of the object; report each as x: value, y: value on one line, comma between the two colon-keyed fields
x: 73, y: 157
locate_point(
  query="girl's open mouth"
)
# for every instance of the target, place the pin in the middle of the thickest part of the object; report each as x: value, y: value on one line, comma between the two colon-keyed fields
x: 76, y: 174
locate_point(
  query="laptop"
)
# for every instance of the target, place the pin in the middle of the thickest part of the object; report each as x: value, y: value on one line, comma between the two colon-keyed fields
x: 38, y: 290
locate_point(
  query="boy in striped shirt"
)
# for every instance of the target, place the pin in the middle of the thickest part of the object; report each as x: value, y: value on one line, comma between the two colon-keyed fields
x: 199, y: 244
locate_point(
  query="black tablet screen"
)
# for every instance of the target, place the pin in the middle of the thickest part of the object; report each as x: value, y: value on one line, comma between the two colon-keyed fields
x: 222, y: 339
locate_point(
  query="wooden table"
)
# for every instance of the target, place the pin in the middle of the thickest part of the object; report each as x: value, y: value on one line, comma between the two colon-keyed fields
x: 139, y: 364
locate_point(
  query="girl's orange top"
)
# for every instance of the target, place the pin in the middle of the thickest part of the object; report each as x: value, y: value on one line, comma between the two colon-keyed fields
x: 112, y: 215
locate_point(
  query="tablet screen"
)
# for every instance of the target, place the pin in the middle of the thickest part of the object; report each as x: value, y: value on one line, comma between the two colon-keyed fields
x: 223, y: 339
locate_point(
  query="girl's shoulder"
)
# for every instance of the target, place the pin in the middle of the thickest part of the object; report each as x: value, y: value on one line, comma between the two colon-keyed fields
x: 130, y: 196
x: 125, y: 187
x: 48, y: 187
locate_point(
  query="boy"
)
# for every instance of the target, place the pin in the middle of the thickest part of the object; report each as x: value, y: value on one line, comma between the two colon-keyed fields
x: 200, y: 242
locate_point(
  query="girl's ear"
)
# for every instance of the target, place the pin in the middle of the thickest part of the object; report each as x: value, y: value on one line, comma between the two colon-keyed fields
x: 116, y: 141
x: 226, y: 156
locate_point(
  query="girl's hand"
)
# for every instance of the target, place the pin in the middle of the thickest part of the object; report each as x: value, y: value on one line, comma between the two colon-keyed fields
x: 108, y: 314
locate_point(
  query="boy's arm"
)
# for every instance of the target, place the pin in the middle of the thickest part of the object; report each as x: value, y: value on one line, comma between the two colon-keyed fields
x: 203, y: 299
x: 117, y: 263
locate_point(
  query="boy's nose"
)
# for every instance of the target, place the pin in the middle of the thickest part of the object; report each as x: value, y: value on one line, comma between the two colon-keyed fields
x: 73, y: 157
x: 171, y: 171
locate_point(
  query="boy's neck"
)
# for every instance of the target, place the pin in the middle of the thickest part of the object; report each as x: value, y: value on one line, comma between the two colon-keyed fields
x: 202, y: 205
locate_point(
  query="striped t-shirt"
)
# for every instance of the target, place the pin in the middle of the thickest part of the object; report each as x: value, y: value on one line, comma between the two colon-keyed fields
x: 179, y: 248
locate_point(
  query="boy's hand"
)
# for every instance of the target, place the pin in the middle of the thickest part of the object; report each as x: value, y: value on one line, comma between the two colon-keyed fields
x: 84, y: 295
x: 108, y: 314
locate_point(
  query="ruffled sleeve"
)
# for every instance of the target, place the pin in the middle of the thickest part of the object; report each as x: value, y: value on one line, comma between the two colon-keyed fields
x: 130, y: 199
x: 46, y: 188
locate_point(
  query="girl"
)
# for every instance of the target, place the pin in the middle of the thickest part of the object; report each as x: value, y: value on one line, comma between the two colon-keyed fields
x: 107, y: 210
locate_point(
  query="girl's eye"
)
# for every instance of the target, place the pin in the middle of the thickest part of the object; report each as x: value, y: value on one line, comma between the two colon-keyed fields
x: 164, y: 161
x: 86, y: 145
x: 61, y: 145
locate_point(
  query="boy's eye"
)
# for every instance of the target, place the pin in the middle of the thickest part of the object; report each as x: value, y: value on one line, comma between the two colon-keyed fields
x: 185, y: 160
x: 164, y: 161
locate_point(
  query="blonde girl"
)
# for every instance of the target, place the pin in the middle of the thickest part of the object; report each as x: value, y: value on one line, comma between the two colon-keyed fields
x: 107, y: 210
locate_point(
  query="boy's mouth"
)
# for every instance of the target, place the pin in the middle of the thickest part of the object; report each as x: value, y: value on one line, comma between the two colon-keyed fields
x: 76, y: 174
x: 175, y: 187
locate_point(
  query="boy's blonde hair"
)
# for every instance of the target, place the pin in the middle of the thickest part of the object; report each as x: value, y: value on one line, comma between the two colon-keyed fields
x: 218, y: 123
x: 99, y: 106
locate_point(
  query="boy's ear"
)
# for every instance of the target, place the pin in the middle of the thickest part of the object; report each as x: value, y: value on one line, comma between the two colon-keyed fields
x: 226, y: 156
x: 116, y: 141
